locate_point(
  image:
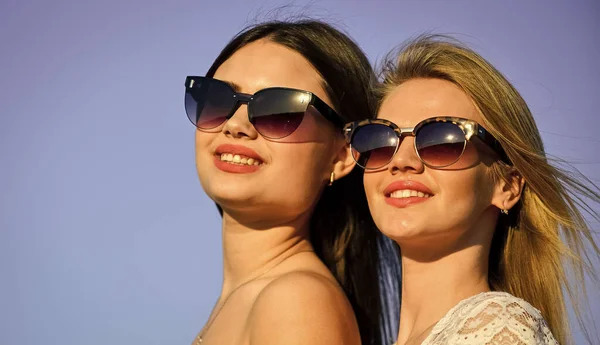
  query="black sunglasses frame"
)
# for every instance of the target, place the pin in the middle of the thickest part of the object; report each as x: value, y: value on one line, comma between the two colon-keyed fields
x: 469, y: 127
x: 240, y: 98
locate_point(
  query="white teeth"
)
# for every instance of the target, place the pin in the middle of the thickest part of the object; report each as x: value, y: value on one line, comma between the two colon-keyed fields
x: 238, y: 159
x: 407, y: 193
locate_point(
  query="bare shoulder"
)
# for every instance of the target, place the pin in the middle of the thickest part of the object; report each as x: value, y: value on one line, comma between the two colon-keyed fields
x: 302, y: 307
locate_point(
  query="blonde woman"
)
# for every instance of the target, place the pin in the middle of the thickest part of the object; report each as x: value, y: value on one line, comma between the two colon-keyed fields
x: 457, y: 176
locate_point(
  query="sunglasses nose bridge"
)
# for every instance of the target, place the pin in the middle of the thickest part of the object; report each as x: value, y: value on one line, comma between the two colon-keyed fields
x: 403, y: 133
x: 242, y: 97
x: 239, y: 100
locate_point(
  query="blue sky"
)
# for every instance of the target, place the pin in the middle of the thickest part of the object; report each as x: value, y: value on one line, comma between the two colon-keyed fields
x: 105, y: 234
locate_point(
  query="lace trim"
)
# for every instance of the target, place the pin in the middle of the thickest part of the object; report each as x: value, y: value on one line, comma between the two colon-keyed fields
x: 492, y: 318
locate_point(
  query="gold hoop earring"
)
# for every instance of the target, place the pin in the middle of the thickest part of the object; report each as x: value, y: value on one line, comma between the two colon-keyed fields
x: 331, y: 178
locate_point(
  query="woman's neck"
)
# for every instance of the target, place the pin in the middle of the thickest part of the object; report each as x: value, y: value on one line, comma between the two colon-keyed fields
x: 248, y: 252
x: 431, y: 287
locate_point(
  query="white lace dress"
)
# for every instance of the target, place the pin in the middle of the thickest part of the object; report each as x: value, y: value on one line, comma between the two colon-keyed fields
x: 491, y: 318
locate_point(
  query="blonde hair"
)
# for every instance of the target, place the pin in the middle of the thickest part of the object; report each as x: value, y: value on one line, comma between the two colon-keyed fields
x: 546, y: 230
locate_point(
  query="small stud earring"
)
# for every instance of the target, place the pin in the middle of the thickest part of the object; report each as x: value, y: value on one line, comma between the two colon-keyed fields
x: 504, y: 211
x: 331, y: 178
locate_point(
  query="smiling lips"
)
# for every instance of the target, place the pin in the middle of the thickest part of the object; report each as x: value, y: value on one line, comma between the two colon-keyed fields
x: 405, y: 193
x: 237, y: 159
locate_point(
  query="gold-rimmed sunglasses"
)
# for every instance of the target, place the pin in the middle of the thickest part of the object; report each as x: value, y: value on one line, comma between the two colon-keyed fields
x: 439, y: 141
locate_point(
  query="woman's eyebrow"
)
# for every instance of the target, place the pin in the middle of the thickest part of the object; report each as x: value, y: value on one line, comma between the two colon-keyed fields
x: 233, y: 85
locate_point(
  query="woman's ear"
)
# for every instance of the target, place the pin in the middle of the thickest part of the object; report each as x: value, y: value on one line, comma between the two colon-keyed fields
x: 343, y: 162
x: 508, y: 191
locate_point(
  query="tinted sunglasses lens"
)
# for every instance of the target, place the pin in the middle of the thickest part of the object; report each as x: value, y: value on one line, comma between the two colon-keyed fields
x: 208, y: 103
x: 440, y: 144
x: 374, y: 145
x: 278, y: 113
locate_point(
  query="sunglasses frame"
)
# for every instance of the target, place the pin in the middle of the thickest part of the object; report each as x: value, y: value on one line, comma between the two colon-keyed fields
x: 244, y: 98
x: 469, y: 127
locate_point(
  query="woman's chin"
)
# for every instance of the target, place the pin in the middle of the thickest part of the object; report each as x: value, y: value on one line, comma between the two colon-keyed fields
x: 233, y: 199
x: 398, y: 227
x: 402, y: 237
x: 408, y: 235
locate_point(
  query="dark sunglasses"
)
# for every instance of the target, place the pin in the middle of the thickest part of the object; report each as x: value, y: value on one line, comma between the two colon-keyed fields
x: 275, y: 112
x: 439, y: 141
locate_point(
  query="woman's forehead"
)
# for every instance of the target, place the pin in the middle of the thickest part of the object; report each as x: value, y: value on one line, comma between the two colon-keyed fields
x: 262, y: 64
x: 418, y: 99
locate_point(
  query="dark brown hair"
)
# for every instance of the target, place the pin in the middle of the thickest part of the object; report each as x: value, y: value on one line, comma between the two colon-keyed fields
x: 342, y: 231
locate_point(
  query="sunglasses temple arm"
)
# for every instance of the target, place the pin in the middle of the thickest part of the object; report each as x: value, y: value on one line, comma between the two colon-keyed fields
x: 327, y: 112
x: 492, y: 142
x: 347, y: 131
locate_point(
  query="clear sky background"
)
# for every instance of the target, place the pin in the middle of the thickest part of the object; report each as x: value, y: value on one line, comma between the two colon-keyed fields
x: 106, y: 236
